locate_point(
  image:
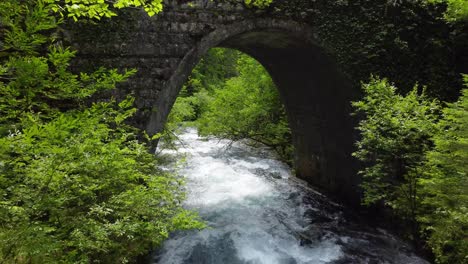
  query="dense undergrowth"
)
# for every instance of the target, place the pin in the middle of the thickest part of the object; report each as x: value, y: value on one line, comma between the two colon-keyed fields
x: 76, y: 186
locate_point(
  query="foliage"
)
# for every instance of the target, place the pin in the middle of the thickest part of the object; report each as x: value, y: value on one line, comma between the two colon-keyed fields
x: 230, y: 95
x: 456, y: 9
x: 34, y: 67
x: 75, y: 184
x: 258, y: 3
x: 445, y: 185
x: 97, y: 9
x: 210, y: 73
x: 396, y: 133
x: 78, y: 190
x: 391, y: 39
x: 248, y: 107
x: 414, y: 155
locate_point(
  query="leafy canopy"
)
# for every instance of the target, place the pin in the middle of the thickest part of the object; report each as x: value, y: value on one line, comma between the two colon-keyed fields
x: 395, y: 135
x: 97, y: 9
x: 445, y: 185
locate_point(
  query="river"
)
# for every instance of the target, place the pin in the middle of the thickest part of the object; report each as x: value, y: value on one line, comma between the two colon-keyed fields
x: 258, y: 213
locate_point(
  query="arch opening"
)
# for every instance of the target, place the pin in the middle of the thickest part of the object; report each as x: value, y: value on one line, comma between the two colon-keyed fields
x: 230, y: 95
x: 315, y: 94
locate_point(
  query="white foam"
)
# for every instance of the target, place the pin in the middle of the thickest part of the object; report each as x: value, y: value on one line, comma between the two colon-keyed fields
x: 251, y: 211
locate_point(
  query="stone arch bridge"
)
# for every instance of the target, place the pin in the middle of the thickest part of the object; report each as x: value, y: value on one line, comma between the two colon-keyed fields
x: 165, y: 48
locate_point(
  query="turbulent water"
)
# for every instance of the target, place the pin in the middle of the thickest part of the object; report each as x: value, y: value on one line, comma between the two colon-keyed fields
x: 259, y: 214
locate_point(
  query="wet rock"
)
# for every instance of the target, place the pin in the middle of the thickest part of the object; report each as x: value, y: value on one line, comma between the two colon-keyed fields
x: 219, y: 251
x: 293, y: 195
x: 275, y: 175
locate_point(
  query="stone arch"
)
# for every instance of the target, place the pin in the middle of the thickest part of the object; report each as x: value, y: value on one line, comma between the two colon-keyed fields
x: 315, y: 94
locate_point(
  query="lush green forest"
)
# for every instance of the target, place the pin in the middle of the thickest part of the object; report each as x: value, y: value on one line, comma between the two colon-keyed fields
x: 77, y: 184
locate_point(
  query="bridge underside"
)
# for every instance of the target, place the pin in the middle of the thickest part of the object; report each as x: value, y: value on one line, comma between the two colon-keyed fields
x: 316, y: 97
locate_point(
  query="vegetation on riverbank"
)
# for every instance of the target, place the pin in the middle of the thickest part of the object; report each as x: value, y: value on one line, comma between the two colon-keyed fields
x: 415, y: 150
x: 76, y: 186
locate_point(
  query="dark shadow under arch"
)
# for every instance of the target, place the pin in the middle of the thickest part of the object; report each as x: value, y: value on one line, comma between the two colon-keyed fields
x: 316, y: 96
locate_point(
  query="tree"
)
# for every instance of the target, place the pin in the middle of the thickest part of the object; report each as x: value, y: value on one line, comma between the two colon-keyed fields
x: 209, y: 75
x: 212, y: 71
x: 248, y: 107
x: 414, y: 155
x: 445, y: 185
x: 396, y: 133
x: 230, y: 95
